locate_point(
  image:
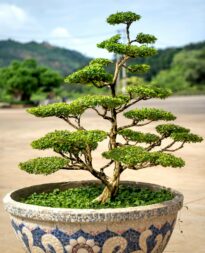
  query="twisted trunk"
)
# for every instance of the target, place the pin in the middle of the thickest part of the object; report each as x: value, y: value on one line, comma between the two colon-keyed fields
x: 111, y: 191
x: 108, y: 192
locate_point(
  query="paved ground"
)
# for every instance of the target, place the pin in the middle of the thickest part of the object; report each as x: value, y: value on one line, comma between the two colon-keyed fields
x: 18, y: 129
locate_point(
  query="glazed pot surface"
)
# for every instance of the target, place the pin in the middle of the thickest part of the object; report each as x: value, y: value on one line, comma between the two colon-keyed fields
x: 144, y: 229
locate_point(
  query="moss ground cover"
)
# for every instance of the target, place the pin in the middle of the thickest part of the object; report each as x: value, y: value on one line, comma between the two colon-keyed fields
x: 82, y: 197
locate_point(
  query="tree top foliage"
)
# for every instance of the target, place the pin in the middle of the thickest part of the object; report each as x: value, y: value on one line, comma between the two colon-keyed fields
x: 123, y: 18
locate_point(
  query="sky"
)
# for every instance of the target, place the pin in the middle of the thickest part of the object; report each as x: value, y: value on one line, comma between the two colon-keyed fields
x: 80, y: 25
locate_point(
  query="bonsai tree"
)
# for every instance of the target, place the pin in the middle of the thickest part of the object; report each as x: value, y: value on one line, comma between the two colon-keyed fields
x: 128, y: 147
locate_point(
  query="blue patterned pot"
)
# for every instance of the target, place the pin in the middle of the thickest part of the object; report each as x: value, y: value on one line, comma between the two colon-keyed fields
x: 144, y: 229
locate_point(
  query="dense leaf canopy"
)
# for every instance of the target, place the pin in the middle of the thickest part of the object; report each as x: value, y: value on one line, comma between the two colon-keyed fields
x: 138, y: 68
x: 56, y: 109
x: 78, y: 106
x: 167, y: 129
x: 143, y: 38
x: 186, y: 137
x: 178, y: 133
x: 135, y: 136
x: 153, y: 114
x: 44, y: 165
x: 148, y: 91
x: 22, y: 79
x: 94, y: 73
x: 123, y: 18
x: 133, y: 51
x: 101, y: 61
x: 134, y: 156
x: 70, y: 142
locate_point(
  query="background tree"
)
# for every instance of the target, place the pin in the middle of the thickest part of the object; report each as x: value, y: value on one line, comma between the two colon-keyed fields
x: 187, y: 71
x: 22, y: 79
x: 138, y: 150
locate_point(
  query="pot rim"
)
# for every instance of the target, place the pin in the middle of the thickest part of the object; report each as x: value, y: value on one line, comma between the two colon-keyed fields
x: 22, y: 210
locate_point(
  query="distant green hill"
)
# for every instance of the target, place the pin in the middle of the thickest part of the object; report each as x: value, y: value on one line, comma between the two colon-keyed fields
x: 164, y: 58
x: 63, y: 60
x: 67, y: 61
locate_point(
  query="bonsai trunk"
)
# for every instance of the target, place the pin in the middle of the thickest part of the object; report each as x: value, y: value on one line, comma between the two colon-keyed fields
x: 111, y: 190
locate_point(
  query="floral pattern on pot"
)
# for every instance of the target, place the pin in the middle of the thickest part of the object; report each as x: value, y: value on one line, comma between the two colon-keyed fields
x: 152, y: 240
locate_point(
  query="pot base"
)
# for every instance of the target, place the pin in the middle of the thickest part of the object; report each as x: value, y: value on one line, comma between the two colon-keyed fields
x: 131, y: 237
x: 144, y: 229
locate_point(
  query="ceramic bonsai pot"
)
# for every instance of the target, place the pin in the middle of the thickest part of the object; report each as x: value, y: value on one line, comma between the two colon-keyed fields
x: 60, y: 230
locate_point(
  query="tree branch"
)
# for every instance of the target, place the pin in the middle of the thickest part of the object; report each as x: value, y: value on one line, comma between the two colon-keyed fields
x: 104, y: 115
x: 173, y: 150
x: 62, y: 154
x: 155, y: 144
x: 74, y: 167
x: 106, y: 166
x: 168, y: 146
x: 118, y: 67
x: 103, y: 84
x: 139, y: 167
x: 128, y: 33
x: 127, y: 126
x: 78, y: 122
x: 69, y: 122
x: 128, y: 105
x: 132, y: 41
x: 144, y: 124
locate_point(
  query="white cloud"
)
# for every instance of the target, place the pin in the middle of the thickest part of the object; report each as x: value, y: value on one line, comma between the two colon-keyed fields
x: 62, y: 37
x: 12, y: 16
x: 60, y: 33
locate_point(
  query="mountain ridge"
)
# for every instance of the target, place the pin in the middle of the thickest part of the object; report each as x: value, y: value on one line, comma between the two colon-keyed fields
x: 63, y: 60
x: 66, y: 61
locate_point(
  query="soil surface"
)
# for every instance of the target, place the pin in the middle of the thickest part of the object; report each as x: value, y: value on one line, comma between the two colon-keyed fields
x: 18, y: 129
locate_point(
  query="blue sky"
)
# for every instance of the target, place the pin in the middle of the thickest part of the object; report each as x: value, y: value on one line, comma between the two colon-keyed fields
x: 80, y: 24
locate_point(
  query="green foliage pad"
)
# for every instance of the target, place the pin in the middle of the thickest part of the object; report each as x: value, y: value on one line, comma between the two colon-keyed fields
x: 137, y: 156
x: 149, y: 114
x: 123, y: 18
x: 70, y: 142
x: 140, y: 137
x: 44, y: 165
